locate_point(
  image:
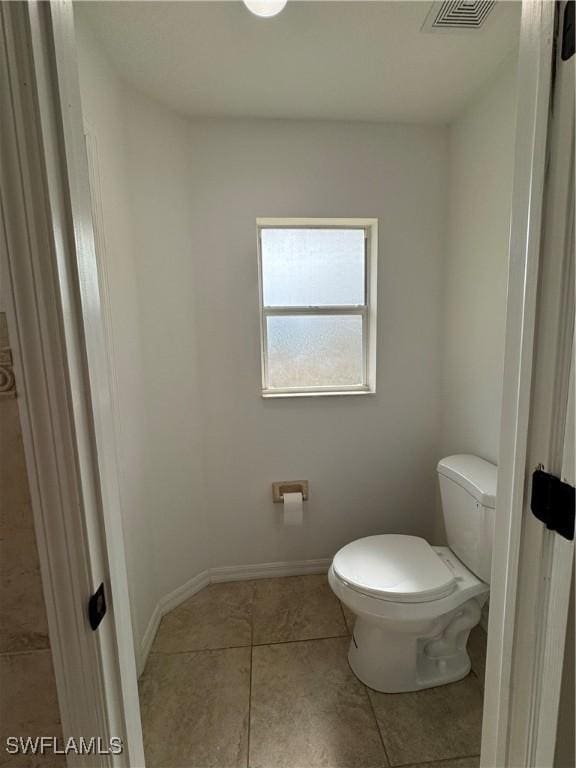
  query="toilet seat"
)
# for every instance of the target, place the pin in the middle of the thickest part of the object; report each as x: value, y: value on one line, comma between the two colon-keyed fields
x: 395, y: 568
x: 466, y: 586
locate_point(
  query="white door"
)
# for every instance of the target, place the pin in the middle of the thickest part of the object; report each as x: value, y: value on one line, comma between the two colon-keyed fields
x: 533, y: 565
x: 47, y: 246
x: 565, y: 756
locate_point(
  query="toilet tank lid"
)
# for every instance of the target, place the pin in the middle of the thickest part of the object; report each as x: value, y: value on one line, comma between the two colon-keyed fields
x: 474, y: 474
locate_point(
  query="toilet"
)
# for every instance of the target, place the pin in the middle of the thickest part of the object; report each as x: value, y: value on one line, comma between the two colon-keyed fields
x: 414, y: 603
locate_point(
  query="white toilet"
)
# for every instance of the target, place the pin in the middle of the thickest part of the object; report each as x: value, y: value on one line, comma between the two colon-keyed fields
x: 415, y: 604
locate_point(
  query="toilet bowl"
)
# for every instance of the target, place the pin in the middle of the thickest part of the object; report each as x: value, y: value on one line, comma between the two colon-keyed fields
x: 415, y: 604
x: 411, y: 631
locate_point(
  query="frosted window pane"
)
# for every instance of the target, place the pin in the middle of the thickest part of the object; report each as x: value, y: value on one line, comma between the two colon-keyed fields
x: 311, y: 351
x: 312, y: 267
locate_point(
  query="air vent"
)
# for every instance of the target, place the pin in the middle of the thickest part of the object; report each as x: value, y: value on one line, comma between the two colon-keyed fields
x: 460, y: 15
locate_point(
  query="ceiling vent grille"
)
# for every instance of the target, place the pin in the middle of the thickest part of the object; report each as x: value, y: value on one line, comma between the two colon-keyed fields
x: 467, y: 15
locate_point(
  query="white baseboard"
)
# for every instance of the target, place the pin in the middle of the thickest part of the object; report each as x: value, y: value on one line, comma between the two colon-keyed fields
x: 189, y: 588
x: 268, y: 570
x: 148, y: 639
x: 165, y: 605
x: 219, y: 575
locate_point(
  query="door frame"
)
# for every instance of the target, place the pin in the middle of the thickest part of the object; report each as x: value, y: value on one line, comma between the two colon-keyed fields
x: 532, y: 566
x: 546, y: 558
x: 54, y: 312
x: 67, y: 420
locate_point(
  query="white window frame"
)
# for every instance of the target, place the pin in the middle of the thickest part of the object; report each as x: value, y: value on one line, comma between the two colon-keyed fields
x: 367, y: 310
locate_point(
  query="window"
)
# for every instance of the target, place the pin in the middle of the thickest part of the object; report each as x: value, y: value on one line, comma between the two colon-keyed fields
x: 318, y: 306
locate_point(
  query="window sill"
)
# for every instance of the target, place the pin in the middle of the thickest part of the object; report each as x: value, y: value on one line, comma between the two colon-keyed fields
x: 268, y: 395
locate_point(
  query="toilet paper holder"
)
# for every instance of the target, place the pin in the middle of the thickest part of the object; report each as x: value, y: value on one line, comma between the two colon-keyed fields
x: 281, y: 487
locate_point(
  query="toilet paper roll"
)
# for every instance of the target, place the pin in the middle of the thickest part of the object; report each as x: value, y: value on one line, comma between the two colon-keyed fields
x: 292, y: 508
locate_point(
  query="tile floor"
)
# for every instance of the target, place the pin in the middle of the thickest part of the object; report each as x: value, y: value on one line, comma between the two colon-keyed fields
x: 28, y: 703
x: 254, y: 675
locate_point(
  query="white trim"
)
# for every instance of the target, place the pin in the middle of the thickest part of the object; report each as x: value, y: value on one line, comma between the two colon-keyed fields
x: 68, y: 181
x: 184, y: 591
x: 338, y: 309
x: 276, y: 222
x: 216, y: 576
x: 35, y: 304
x: 533, y: 89
x: 269, y: 570
x: 546, y: 568
x: 101, y: 252
x: 149, y: 635
x: 55, y: 311
x: 165, y: 605
x: 367, y: 310
x: 511, y: 687
x: 318, y: 392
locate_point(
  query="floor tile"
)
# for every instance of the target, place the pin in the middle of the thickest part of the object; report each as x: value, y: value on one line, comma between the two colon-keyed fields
x: 434, y: 724
x: 219, y: 616
x: 195, y: 709
x: 46, y: 760
x: 15, y: 505
x: 26, y: 714
x: 309, y: 711
x: 477, y: 651
x: 462, y: 762
x: 349, y: 617
x: 23, y: 623
x: 295, y: 608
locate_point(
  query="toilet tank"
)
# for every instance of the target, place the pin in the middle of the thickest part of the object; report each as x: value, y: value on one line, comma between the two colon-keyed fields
x: 468, y: 494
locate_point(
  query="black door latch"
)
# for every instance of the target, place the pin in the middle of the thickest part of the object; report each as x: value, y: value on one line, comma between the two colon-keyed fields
x: 568, y: 32
x: 552, y: 503
x: 97, y: 607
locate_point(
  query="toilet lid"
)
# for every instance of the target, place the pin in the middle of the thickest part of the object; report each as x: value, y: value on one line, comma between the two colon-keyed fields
x: 402, y: 569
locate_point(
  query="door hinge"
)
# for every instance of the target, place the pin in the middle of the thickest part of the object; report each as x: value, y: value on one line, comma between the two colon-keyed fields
x: 97, y: 607
x: 552, y: 503
x: 567, y: 50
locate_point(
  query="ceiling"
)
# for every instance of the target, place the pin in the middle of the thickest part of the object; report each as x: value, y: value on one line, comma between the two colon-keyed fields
x: 316, y: 60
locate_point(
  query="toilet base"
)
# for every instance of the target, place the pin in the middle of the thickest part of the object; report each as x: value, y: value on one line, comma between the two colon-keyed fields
x: 418, y: 655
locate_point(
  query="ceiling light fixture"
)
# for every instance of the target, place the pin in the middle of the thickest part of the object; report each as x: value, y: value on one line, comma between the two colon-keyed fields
x: 265, y: 8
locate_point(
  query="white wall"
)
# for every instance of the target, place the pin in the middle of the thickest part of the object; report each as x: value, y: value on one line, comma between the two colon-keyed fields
x: 103, y: 99
x: 145, y: 201
x: 369, y: 459
x: 163, y: 180
x: 199, y: 446
x: 476, y: 268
